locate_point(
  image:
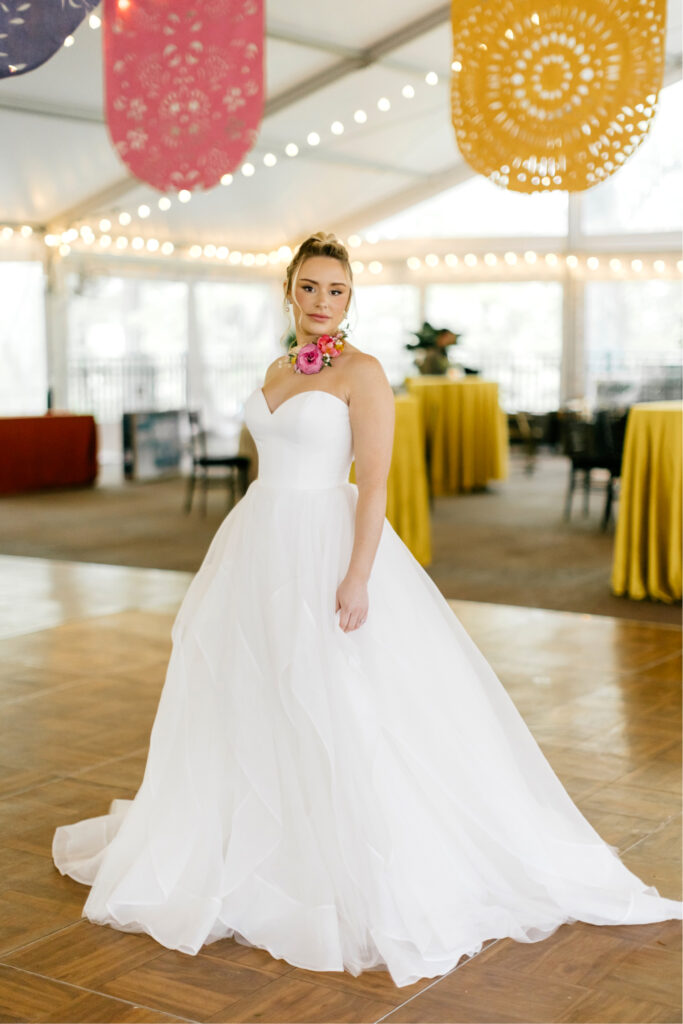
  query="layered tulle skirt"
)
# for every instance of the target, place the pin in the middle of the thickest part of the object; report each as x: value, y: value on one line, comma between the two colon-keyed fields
x: 362, y: 800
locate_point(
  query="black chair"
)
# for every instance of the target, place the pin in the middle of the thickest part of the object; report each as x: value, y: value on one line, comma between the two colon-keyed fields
x: 589, y: 445
x: 236, y: 466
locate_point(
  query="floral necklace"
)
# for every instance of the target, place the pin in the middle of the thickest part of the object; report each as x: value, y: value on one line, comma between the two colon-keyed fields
x: 312, y: 357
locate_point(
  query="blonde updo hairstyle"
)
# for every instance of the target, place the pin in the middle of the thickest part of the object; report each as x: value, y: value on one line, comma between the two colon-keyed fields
x: 322, y: 243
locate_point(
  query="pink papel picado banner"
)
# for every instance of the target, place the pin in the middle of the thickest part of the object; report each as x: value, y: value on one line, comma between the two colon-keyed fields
x: 184, y: 87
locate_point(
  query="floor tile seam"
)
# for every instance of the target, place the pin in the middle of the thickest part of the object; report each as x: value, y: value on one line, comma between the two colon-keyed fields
x: 439, y: 979
x: 97, y: 992
x: 662, y: 825
x: 73, y: 775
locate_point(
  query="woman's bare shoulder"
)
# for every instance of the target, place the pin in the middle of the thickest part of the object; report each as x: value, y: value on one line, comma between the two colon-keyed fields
x: 365, y: 373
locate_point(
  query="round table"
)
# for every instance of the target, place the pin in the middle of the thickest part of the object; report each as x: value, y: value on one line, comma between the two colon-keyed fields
x: 647, y: 543
x: 466, y: 432
x: 407, y: 491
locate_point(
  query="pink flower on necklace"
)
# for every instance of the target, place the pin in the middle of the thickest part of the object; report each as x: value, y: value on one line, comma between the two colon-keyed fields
x: 312, y: 357
x: 309, y: 359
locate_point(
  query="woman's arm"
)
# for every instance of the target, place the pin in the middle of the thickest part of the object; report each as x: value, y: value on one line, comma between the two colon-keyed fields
x: 371, y: 409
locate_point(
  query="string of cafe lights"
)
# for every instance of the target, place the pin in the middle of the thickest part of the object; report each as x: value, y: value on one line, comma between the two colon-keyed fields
x: 468, y: 263
x: 85, y: 236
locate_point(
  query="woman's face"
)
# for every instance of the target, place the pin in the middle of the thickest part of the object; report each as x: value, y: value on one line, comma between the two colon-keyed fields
x: 321, y: 295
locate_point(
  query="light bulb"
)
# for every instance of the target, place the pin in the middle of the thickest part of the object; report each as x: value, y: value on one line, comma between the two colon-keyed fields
x: 164, y: 203
x: 337, y: 128
x: 69, y: 41
x: 408, y: 92
x: 431, y: 78
x: 184, y: 195
x: 312, y: 138
x: 124, y: 219
x: 357, y: 267
x: 152, y: 244
x: 375, y: 267
x: 144, y: 211
x: 383, y: 104
x: 167, y: 248
x: 291, y: 149
x: 247, y: 169
x: 413, y: 262
x: 269, y: 159
x: 360, y: 117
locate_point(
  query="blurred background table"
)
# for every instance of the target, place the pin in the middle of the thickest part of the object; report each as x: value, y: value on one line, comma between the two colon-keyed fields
x: 466, y: 433
x: 407, y: 491
x: 647, y: 545
x: 36, y: 452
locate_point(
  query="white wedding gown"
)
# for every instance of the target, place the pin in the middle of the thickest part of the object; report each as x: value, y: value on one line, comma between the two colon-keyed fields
x: 362, y: 800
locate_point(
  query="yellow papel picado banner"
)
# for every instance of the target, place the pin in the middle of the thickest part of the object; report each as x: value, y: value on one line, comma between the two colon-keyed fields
x: 547, y: 94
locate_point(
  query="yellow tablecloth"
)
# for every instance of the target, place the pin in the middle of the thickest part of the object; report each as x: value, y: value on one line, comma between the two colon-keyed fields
x: 466, y: 432
x: 407, y: 494
x: 647, y: 544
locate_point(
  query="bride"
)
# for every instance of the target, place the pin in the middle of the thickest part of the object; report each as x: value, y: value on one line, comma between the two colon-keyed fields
x: 335, y: 773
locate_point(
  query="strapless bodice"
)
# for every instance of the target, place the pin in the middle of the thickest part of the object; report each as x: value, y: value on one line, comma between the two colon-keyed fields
x: 305, y: 443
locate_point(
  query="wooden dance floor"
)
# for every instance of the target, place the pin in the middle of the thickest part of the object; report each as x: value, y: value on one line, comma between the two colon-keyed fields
x: 83, y: 652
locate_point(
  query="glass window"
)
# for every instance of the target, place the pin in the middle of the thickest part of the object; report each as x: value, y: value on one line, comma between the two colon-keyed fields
x: 23, y: 381
x: 239, y: 335
x: 633, y: 341
x: 386, y: 315
x: 478, y: 208
x: 511, y: 333
x: 646, y: 194
x: 127, y: 345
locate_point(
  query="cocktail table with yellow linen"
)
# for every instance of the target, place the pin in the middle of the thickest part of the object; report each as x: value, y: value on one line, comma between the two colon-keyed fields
x: 465, y: 432
x: 647, y: 545
x: 407, y: 493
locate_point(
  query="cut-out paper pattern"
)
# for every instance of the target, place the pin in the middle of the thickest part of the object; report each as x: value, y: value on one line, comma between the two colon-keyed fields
x: 184, y: 87
x: 31, y: 31
x: 548, y: 94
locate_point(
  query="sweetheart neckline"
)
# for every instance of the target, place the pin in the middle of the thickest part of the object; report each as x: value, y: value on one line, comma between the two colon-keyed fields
x: 299, y: 394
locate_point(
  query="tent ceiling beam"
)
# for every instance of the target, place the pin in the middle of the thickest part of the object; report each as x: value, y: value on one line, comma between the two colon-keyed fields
x: 361, y: 59
x: 430, y: 186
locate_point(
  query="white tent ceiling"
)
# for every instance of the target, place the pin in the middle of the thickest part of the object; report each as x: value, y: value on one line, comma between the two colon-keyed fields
x: 323, y: 61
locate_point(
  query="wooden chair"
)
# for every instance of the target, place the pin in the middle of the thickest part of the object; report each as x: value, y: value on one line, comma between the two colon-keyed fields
x: 589, y: 445
x: 236, y: 467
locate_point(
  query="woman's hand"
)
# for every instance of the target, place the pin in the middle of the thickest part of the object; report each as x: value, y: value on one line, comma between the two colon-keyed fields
x: 352, y: 599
